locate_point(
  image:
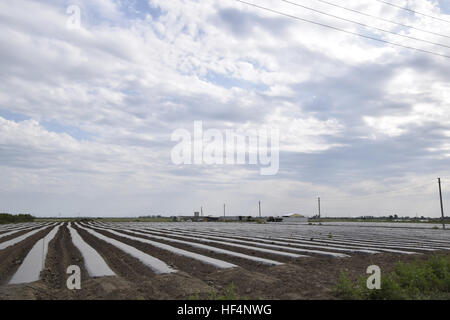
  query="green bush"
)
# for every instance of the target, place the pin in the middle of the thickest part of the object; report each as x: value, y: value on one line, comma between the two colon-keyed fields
x: 346, y: 289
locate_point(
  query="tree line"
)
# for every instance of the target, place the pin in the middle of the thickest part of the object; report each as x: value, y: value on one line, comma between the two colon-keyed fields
x: 10, y: 218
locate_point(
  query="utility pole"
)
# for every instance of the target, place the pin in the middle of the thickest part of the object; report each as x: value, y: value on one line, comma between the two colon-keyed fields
x: 259, y: 207
x: 224, y: 211
x: 201, y: 211
x: 318, y: 201
x: 442, y: 205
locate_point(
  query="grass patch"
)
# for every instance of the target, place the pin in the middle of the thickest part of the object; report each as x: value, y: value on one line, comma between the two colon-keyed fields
x: 419, y: 280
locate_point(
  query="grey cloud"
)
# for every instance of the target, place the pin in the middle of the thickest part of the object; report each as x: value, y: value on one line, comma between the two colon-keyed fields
x: 242, y: 24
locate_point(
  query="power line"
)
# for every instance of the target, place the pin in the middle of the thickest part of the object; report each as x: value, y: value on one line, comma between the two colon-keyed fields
x: 343, y: 30
x: 365, y: 25
x: 413, y: 11
x: 383, y: 19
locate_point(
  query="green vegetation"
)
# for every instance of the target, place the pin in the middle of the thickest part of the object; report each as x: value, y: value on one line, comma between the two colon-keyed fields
x: 9, y: 218
x: 230, y: 294
x: 420, y: 280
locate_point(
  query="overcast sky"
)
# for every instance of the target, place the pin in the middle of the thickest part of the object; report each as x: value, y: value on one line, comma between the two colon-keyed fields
x: 86, y: 115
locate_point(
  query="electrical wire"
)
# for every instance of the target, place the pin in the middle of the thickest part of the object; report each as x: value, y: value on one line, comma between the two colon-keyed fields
x: 382, y: 19
x: 413, y: 11
x: 365, y: 25
x: 343, y: 30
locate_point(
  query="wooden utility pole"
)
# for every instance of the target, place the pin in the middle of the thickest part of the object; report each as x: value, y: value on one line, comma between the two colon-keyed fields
x: 224, y: 210
x: 318, y: 201
x: 259, y: 207
x: 442, y: 205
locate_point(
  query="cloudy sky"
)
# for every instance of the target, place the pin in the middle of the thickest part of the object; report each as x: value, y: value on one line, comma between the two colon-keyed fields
x: 87, y: 114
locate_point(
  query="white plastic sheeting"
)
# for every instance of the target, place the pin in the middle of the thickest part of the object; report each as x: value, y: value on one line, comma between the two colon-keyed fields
x: 206, y: 247
x: 12, y: 242
x: 93, y: 261
x: 34, y: 262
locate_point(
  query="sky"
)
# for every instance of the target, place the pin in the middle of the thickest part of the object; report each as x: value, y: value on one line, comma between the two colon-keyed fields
x: 87, y: 114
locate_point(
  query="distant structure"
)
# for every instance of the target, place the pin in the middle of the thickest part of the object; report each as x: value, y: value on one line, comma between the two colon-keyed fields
x: 294, y: 217
x: 232, y: 218
x: 197, y: 217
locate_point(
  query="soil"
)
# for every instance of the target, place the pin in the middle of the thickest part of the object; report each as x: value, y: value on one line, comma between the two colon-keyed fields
x: 311, y: 277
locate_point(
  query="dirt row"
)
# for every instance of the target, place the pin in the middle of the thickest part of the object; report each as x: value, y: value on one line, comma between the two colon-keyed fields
x: 143, y: 283
x: 324, y: 235
x: 256, y: 244
x: 236, y: 260
x: 304, y: 244
x: 61, y: 254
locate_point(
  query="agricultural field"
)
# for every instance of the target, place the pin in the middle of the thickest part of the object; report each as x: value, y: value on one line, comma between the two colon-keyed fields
x: 140, y: 260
